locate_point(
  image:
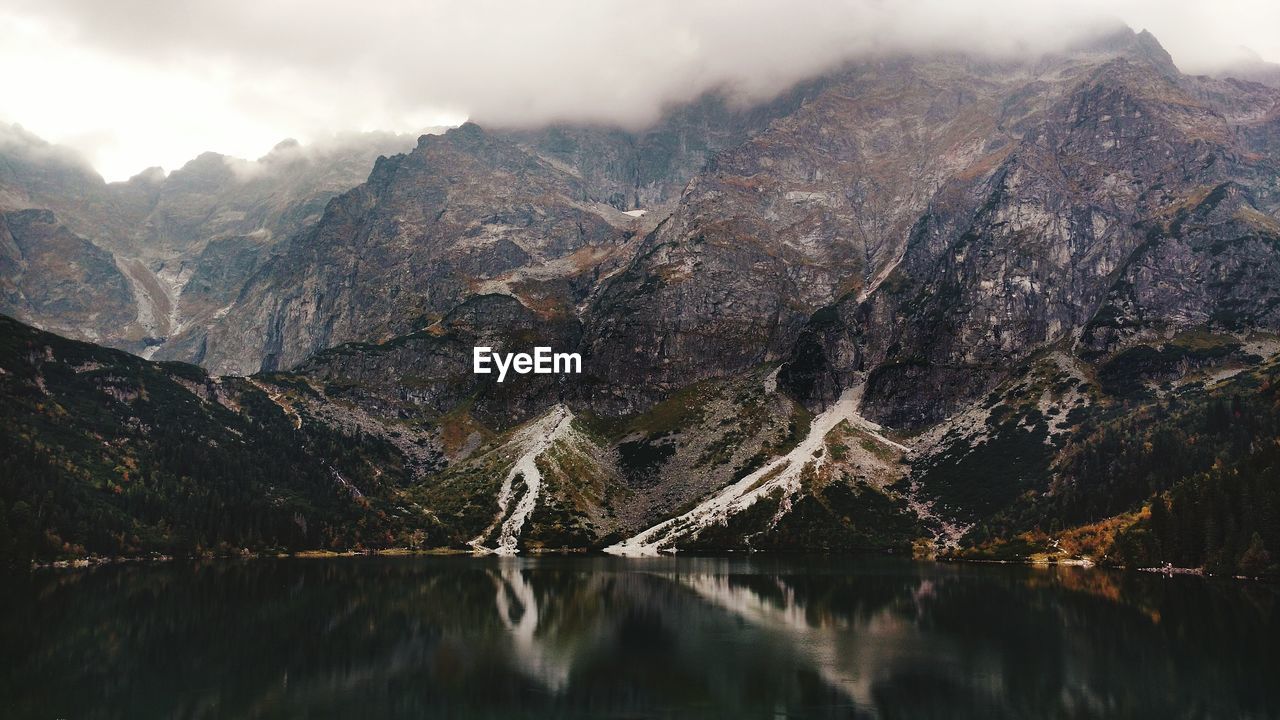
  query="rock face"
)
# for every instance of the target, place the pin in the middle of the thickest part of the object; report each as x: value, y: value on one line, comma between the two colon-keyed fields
x: 50, y: 272
x: 430, y: 372
x: 647, y: 169
x: 811, y: 210
x: 186, y: 243
x: 541, y: 216
x: 462, y: 213
x: 1129, y: 208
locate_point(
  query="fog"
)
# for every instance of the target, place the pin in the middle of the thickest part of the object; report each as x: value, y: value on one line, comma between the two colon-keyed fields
x: 354, y: 148
x: 134, y: 83
x: 19, y: 144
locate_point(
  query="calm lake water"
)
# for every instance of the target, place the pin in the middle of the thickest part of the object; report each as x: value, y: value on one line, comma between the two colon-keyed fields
x: 617, y: 638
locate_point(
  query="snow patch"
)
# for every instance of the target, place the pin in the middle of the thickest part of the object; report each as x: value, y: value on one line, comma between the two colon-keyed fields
x: 882, y: 276
x: 771, y: 381
x: 534, y: 439
x: 783, y: 474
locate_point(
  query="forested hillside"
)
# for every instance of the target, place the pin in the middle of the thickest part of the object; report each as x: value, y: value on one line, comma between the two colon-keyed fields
x: 1187, y: 476
x: 104, y: 453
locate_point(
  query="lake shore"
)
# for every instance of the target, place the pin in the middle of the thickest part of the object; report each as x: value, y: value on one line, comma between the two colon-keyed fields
x: 1035, y: 561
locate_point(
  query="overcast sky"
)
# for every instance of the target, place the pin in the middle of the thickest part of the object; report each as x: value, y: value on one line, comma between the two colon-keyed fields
x: 134, y: 83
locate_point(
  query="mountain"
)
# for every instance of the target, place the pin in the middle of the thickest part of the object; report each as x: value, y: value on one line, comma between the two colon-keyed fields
x: 1136, y: 206
x: 539, y: 216
x: 182, y: 245
x: 932, y: 304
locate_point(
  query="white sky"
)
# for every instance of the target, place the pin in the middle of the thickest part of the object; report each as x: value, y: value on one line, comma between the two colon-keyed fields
x: 137, y: 83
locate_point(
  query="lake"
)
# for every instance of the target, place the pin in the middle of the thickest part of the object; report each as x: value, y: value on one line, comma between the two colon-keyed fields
x: 602, y: 637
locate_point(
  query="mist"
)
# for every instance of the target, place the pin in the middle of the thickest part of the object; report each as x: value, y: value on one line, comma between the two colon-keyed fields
x: 356, y: 148
x: 136, y: 83
x: 18, y: 144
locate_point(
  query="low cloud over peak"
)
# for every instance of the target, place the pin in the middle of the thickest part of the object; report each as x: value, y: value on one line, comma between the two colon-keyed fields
x: 137, y: 83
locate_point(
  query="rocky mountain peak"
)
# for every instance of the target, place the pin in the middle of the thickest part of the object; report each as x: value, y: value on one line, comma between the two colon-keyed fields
x: 150, y: 176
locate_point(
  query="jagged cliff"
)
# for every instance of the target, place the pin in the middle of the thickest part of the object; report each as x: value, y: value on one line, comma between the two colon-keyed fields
x: 183, y: 245
x: 1138, y: 205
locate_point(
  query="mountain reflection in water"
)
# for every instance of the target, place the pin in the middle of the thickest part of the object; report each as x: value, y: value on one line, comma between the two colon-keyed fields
x: 626, y: 638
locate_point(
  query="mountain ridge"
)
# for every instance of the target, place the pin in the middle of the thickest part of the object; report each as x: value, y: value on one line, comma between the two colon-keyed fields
x: 1005, y: 262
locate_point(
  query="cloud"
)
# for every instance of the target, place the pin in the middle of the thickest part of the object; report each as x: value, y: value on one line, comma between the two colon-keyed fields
x: 17, y: 142
x: 290, y: 154
x: 236, y: 75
